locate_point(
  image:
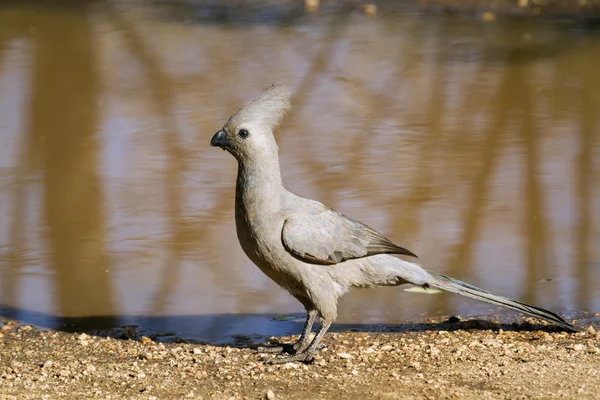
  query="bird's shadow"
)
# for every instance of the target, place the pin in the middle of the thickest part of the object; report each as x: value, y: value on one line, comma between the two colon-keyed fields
x: 236, y: 330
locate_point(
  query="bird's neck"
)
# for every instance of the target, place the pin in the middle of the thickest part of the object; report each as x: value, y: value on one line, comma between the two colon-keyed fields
x: 259, y: 181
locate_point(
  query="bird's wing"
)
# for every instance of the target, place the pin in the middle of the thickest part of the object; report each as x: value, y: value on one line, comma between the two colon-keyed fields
x: 329, y: 237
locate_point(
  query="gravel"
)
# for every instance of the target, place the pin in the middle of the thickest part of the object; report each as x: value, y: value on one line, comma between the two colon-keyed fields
x: 464, y: 360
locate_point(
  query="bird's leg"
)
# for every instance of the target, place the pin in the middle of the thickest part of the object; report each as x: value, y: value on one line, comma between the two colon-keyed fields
x: 302, y: 342
x: 308, y: 354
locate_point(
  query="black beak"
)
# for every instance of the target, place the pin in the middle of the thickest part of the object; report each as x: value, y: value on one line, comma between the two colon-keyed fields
x: 220, y: 140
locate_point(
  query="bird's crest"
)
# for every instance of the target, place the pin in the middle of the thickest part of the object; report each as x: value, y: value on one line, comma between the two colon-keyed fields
x: 268, y: 108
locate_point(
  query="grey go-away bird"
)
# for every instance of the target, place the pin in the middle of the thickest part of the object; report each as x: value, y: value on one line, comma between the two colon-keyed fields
x: 314, y: 252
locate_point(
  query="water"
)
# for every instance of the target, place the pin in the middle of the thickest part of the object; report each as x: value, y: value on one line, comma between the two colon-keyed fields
x: 473, y: 144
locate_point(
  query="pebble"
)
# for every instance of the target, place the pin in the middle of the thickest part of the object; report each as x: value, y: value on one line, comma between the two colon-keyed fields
x: 25, y: 328
x: 311, y: 5
x: 146, y: 340
x: 270, y: 395
x: 488, y: 16
x: 368, y: 9
x: 547, y: 337
x: 591, y: 330
x: 593, y: 349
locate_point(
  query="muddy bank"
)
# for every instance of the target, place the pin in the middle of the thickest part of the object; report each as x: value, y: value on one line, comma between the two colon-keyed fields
x: 472, y: 360
x: 580, y: 10
x: 572, y: 9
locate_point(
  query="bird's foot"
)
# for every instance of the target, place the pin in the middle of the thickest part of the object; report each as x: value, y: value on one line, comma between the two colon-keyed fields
x: 305, y: 357
x: 277, y: 349
x: 302, y: 355
x: 301, y: 347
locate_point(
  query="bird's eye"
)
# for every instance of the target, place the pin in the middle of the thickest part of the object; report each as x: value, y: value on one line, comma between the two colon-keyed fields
x: 243, y: 133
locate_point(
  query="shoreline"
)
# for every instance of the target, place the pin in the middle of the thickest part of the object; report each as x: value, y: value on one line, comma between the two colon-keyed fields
x: 578, y: 10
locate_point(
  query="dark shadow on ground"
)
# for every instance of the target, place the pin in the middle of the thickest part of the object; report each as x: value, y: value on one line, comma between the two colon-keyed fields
x: 242, y: 330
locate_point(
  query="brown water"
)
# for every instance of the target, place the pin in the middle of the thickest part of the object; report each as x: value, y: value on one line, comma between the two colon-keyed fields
x: 473, y: 144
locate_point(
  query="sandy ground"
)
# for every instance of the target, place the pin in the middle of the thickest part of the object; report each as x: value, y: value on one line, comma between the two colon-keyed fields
x: 438, y: 360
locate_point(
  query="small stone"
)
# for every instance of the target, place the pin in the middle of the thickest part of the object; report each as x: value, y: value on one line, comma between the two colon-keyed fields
x: 197, y: 350
x: 311, y: 5
x: 454, y: 319
x: 547, y: 337
x: 25, y: 328
x: 200, y: 374
x: 47, y: 364
x: 368, y: 9
x: 146, y: 340
x: 387, y: 347
x: 488, y: 16
x: 270, y: 395
x: 578, y: 347
x: 590, y: 330
x: 344, y: 355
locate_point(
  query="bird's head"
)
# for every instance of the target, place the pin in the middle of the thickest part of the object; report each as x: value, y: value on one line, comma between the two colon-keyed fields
x: 248, y: 134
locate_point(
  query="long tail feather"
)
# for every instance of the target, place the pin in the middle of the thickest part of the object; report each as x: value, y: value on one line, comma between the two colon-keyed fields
x: 455, y: 286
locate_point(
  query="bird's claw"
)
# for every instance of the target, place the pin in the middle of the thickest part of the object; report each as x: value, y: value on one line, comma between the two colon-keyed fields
x: 293, y: 349
x: 283, y: 348
x: 304, y: 357
x: 270, y: 349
